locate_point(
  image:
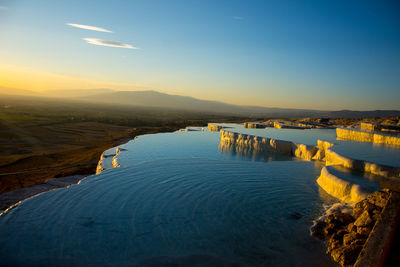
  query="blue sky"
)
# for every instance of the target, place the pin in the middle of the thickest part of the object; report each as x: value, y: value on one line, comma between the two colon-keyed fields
x: 300, y: 54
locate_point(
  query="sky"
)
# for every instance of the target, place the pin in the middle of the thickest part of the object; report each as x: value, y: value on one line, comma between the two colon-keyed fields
x: 325, y: 54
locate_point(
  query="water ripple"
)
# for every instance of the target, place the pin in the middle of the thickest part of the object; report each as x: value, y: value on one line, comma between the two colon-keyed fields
x: 238, y: 211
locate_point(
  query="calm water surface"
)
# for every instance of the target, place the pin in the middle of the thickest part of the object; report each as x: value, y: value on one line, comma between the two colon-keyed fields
x: 177, y: 199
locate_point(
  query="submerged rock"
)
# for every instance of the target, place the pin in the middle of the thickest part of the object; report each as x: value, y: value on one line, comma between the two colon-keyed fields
x: 296, y: 215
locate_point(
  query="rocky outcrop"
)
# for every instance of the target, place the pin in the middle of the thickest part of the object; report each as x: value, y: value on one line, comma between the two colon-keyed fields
x: 375, y: 251
x: 368, y: 136
x: 345, y: 234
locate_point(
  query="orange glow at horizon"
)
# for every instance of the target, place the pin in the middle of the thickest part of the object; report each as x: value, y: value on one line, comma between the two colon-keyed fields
x: 36, y: 80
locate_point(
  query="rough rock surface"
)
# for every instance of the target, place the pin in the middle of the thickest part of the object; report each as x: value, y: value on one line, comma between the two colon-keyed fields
x: 345, y: 234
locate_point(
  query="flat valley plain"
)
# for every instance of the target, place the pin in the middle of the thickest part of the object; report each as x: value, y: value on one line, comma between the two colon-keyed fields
x: 43, y: 138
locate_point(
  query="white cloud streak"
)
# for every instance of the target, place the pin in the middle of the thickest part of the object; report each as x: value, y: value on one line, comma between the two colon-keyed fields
x: 88, y: 27
x: 109, y: 43
x: 238, y: 18
x: 3, y: 8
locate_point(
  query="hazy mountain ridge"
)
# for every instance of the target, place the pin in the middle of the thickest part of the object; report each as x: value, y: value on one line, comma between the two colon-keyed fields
x: 69, y: 93
x: 76, y: 92
x: 157, y: 99
x: 15, y: 91
x: 161, y: 100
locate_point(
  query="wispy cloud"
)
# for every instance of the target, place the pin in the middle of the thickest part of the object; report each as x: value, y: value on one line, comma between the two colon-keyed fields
x: 109, y: 43
x: 3, y: 8
x: 88, y: 27
x: 238, y: 18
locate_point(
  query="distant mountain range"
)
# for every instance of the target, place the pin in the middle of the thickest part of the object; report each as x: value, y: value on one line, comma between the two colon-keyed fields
x: 75, y: 93
x: 56, y: 93
x: 15, y: 91
x: 162, y: 100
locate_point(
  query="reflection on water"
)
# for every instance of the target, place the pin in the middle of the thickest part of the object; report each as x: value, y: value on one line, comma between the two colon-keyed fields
x: 244, y: 152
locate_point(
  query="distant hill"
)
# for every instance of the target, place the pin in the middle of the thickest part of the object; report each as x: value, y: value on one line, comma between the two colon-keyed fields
x: 15, y: 91
x: 75, y: 93
x: 56, y: 93
x: 362, y: 114
x: 157, y: 99
x: 161, y: 100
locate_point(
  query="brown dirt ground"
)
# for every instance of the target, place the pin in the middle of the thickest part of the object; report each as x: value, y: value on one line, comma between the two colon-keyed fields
x: 32, y: 152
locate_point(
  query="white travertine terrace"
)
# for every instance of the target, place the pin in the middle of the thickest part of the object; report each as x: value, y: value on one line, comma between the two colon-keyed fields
x: 335, y: 186
x: 340, y: 188
x: 110, y: 160
x: 257, y: 124
x: 214, y: 127
x: 274, y: 145
x: 367, y: 136
x: 290, y: 125
x: 115, y: 163
x: 100, y: 166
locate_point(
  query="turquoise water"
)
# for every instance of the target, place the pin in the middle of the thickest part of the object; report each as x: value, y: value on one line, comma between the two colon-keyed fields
x: 182, y: 145
x: 252, y: 213
x: 177, y: 199
x: 381, y: 154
